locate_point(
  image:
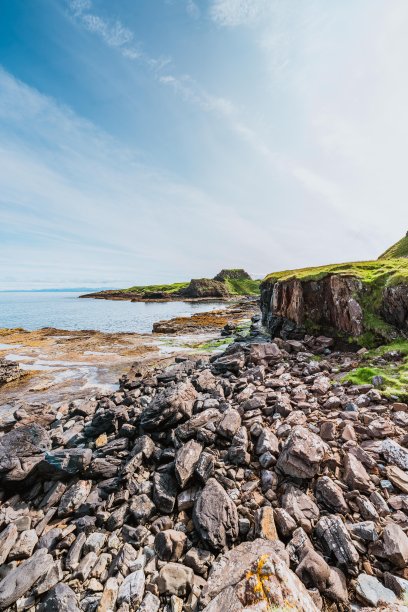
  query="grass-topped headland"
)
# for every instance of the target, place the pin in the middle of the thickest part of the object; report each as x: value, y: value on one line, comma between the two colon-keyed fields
x: 384, y: 271
x: 226, y: 284
x: 363, y: 301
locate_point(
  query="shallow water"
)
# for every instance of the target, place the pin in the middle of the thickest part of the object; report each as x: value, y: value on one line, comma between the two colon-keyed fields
x: 64, y: 310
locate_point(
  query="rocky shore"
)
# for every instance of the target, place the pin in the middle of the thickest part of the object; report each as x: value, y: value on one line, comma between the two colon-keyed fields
x: 254, y: 480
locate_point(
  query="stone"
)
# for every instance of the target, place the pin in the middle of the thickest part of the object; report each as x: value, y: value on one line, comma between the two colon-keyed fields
x: 205, y: 467
x: 331, y: 495
x: 229, y: 424
x: 24, y: 546
x: 300, y: 507
x: 302, y: 454
x: 267, y: 442
x: 364, y: 530
x: 264, y: 352
x: 169, y: 407
x: 74, y: 553
x: 21, y: 450
x: 313, y: 569
x: 394, y: 453
x: 238, y: 450
x: 94, y: 542
x: 74, y: 497
x: 175, y: 579
x: 370, y: 590
x: 265, y: 524
x: 164, y: 491
x: 20, y: 580
x: 8, y: 538
x: 186, y: 461
x: 355, y: 475
x: 285, y: 523
x: 61, y: 598
x: 254, y: 576
x: 336, y: 588
x: 395, y: 545
x: 150, y: 603
x: 54, y: 575
x: 170, y: 544
x: 199, y: 560
x: 215, y: 516
x: 141, y: 508
x: 132, y: 589
x: 85, y: 566
x: 335, y: 538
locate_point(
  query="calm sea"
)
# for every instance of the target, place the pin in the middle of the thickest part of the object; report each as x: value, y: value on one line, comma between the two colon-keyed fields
x: 64, y: 310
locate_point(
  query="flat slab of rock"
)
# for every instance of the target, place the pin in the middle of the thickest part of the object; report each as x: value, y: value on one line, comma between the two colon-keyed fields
x: 215, y: 516
x: 186, y: 460
x: 335, y: 538
x: 371, y: 591
x: 20, y: 580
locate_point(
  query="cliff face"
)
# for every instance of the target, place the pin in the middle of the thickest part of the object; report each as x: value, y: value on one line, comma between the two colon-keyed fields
x: 372, y: 307
x: 328, y: 304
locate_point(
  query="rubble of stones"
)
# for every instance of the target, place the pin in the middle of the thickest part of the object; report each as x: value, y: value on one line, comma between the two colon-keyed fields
x: 254, y: 480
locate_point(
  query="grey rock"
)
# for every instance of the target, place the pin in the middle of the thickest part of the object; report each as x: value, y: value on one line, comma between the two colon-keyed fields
x: 331, y: 495
x: 175, y: 579
x: 170, y: 544
x: 169, y: 407
x: 132, y: 589
x: 24, y: 546
x: 199, y: 560
x: 230, y: 423
x: 355, y: 475
x: 205, y: 467
x: 164, y: 491
x: 61, y: 598
x: 215, y: 516
x: 238, y: 450
x: 267, y: 442
x: 141, y: 508
x: 74, y: 497
x: 371, y: 591
x: 8, y: 538
x: 20, y: 580
x: 365, y: 531
x: 150, y: 603
x: 335, y: 538
x: 302, y: 454
x: 186, y: 461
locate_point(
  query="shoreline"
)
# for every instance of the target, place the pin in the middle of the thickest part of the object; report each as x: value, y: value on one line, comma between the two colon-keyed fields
x: 62, y: 365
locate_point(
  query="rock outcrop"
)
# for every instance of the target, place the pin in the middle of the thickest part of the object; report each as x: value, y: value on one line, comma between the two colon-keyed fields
x: 9, y: 371
x: 341, y: 301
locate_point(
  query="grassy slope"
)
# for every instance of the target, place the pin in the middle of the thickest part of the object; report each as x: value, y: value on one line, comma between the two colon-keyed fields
x: 395, y: 375
x: 234, y: 286
x: 386, y: 271
x: 400, y: 249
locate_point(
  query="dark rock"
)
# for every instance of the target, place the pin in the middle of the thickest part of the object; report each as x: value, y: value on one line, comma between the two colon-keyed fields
x: 302, y: 454
x: 164, y: 491
x: 61, y: 598
x: 215, y: 516
x: 169, y: 407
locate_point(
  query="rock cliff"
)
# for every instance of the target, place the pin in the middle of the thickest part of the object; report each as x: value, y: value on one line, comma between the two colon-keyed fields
x: 364, y: 301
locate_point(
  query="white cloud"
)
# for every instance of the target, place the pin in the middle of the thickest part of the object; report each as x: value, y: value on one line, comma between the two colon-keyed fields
x: 193, y: 9
x: 233, y: 13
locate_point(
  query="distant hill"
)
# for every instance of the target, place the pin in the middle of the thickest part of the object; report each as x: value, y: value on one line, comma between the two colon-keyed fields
x: 399, y: 249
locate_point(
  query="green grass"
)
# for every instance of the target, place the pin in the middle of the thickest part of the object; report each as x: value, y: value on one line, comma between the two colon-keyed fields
x: 243, y: 286
x: 400, y: 249
x: 386, y: 272
x: 172, y: 288
x: 395, y: 375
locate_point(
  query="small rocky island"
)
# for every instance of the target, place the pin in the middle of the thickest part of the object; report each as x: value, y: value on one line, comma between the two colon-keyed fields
x: 272, y: 476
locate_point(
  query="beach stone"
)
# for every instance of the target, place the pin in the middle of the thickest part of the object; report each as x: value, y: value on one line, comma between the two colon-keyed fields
x: 150, y: 603
x: 356, y: 476
x: 302, y: 454
x: 61, y: 598
x: 372, y: 592
x: 331, y: 495
x: 175, y: 579
x: 20, y: 580
x: 335, y: 538
x: 131, y: 590
x: 230, y: 423
x: 169, y: 407
x: 186, y: 461
x: 74, y: 497
x: 215, y: 516
x: 169, y: 544
x: 8, y: 538
x: 254, y: 575
x: 164, y: 491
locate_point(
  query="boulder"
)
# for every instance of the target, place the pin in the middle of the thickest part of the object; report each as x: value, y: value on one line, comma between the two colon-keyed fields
x: 186, y: 461
x: 20, y: 580
x: 302, y: 454
x: 215, y: 516
x: 169, y: 407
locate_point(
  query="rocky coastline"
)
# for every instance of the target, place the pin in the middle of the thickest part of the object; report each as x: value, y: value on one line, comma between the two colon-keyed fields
x: 252, y: 480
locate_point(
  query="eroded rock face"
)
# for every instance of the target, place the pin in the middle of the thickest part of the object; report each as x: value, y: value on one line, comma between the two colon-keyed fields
x: 329, y: 303
x: 394, y: 307
x: 9, y: 371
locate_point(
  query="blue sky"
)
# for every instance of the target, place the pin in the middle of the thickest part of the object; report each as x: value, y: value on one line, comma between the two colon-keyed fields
x: 156, y: 140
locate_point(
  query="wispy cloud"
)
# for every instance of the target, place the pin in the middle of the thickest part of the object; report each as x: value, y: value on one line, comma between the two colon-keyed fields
x: 233, y: 13
x: 113, y: 33
x: 193, y: 9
